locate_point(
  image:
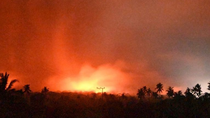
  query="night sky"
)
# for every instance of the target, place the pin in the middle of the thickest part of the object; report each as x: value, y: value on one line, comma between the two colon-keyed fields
x: 79, y: 45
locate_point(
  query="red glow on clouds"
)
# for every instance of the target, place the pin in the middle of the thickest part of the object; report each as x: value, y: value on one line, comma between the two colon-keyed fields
x: 77, y: 45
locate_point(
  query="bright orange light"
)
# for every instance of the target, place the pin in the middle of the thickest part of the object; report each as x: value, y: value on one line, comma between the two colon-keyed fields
x: 85, y: 85
x: 90, y: 78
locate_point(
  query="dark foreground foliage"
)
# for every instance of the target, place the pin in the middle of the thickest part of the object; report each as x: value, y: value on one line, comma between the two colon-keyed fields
x: 147, y: 104
x: 91, y: 105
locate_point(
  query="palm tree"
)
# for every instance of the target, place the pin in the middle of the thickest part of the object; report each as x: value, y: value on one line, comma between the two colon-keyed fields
x: 159, y: 87
x: 178, y: 95
x: 45, y: 90
x: 141, y: 94
x: 149, y: 92
x: 155, y: 94
x: 188, y: 94
x: 3, y: 83
x: 197, y: 90
x: 170, y: 92
x: 144, y: 89
x: 27, y: 89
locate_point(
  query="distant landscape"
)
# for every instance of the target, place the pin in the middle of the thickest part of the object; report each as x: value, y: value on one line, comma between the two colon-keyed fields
x: 147, y: 103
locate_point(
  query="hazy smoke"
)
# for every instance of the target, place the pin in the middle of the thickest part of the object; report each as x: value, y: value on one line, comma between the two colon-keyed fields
x: 121, y: 45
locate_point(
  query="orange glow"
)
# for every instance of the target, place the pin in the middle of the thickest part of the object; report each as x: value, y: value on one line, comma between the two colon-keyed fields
x: 89, y: 78
x: 73, y: 44
x: 84, y: 85
x: 87, y: 86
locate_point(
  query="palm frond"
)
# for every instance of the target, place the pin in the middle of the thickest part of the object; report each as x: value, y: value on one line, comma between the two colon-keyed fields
x: 3, y: 82
x: 11, y: 83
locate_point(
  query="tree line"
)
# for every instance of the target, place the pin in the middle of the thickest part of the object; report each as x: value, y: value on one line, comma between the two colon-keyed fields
x: 6, y: 89
x: 194, y: 92
x: 146, y: 104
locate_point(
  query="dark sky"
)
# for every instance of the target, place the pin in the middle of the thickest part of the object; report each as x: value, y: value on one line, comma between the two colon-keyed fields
x: 122, y: 45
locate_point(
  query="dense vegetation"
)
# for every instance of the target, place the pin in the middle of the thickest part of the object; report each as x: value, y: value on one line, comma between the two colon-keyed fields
x: 146, y: 104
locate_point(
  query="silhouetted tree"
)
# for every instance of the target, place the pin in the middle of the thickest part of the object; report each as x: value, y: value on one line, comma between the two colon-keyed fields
x: 170, y: 92
x: 141, y: 94
x: 205, y: 96
x: 149, y: 92
x: 3, y: 83
x: 178, y: 94
x: 45, y: 90
x: 159, y: 88
x: 208, y: 86
x: 144, y: 89
x: 188, y: 94
x: 155, y: 94
x: 27, y: 89
x: 197, y: 90
x: 123, y: 96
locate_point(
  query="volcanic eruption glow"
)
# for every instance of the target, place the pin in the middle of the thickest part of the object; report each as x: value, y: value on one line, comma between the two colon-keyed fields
x: 78, y: 45
x: 89, y: 78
